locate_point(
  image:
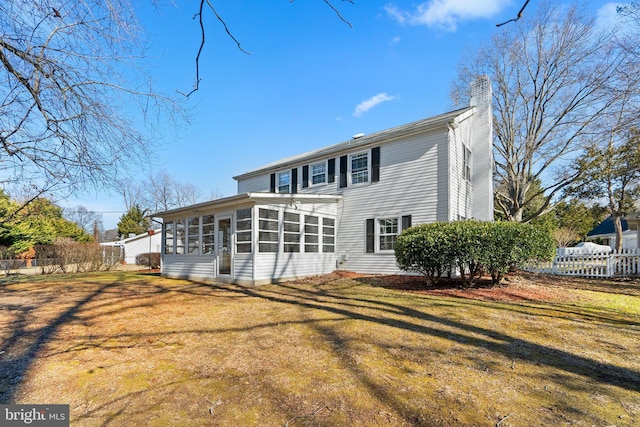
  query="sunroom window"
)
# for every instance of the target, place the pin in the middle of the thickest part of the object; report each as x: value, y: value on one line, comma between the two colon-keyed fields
x: 267, y: 230
x: 208, y: 234
x: 168, y: 237
x: 243, y: 231
x: 193, y: 235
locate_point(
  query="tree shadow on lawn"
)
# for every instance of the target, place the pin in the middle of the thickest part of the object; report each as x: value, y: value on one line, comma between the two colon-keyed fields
x: 344, y: 300
x: 509, y: 346
x: 26, y: 340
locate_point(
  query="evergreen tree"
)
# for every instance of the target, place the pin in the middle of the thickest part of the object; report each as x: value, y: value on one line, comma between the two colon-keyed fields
x: 133, y: 222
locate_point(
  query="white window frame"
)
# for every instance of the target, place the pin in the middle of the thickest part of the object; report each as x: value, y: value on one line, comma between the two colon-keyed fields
x: 208, y: 234
x: 323, y: 174
x: 466, y: 163
x: 328, y: 235
x: 379, y: 234
x: 367, y: 155
x: 312, y: 233
x: 288, y: 185
x: 193, y: 235
x: 265, y: 227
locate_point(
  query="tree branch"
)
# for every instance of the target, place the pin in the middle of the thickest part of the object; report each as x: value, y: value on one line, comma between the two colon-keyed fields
x: 517, y: 17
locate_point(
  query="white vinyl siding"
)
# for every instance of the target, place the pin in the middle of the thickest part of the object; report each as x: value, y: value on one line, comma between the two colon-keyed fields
x: 414, y: 180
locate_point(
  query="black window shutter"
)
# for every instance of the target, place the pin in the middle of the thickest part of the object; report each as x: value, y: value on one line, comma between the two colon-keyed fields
x: 331, y: 170
x: 406, y: 221
x: 371, y: 236
x: 294, y: 180
x: 305, y: 176
x: 272, y: 188
x: 375, y: 164
x: 343, y: 171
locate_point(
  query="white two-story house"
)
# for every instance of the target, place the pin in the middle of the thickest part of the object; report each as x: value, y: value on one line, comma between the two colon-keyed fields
x: 340, y: 207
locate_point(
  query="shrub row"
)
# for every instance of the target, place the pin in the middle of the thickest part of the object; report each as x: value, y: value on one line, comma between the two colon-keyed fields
x: 471, y: 248
x: 152, y: 260
x: 68, y: 256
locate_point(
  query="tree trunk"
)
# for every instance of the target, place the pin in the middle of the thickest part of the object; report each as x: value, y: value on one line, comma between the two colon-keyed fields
x: 617, y: 224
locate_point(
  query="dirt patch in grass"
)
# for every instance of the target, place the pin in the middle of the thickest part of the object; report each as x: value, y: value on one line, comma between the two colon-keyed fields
x: 344, y: 349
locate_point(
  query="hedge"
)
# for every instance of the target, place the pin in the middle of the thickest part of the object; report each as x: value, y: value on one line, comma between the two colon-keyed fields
x: 471, y: 248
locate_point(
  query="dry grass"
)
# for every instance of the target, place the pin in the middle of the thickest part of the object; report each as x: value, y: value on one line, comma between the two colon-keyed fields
x: 134, y: 349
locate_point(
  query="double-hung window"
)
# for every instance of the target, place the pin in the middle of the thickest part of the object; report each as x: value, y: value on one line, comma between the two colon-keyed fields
x: 387, y: 234
x: 284, y: 182
x: 359, y: 168
x: 318, y: 173
x: 382, y: 233
x: 466, y: 163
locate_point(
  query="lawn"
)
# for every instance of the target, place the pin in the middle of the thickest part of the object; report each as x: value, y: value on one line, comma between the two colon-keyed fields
x: 131, y: 349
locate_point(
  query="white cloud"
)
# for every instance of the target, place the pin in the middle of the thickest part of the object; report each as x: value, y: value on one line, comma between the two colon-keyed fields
x: 607, y: 16
x: 446, y: 14
x: 368, y: 104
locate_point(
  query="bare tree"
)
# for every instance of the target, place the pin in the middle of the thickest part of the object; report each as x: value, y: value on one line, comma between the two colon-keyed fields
x: 557, y: 79
x: 207, y: 5
x: 70, y: 79
x: 164, y: 192
x: 86, y: 219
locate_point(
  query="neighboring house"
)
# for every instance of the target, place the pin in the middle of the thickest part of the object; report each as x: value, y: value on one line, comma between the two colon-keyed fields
x: 606, y: 233
x: 133, y: 246
x: 339, y: 207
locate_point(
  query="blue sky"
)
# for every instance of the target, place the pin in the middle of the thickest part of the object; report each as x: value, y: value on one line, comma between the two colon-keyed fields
x: 311, y: 80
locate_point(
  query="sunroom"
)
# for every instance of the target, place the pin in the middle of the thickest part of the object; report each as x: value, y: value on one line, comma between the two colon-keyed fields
x: 251, y: 238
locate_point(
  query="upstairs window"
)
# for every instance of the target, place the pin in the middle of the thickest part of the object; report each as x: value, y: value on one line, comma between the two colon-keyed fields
x: 284, y: 182
x: 318, y: 173
x: 359, y: 168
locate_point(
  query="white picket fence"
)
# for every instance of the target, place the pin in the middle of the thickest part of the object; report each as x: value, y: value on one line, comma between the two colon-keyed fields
x: 623, y: 263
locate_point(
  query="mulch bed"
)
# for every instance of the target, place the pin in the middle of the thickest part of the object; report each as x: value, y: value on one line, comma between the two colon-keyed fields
x: 519, y: 286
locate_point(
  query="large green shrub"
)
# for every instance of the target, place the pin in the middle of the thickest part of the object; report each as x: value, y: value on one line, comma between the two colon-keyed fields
x: 471, y: 248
